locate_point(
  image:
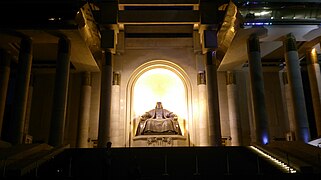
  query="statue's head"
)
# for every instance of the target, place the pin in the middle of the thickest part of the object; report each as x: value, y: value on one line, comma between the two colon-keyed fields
x: 159, y: 105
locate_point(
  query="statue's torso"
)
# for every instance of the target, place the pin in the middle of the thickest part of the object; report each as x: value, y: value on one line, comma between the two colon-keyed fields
x: 159, y: 114
x: 158, y: 121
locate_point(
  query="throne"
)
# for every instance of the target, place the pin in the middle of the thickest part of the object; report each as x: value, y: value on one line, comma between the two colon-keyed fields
x: 158, y: 121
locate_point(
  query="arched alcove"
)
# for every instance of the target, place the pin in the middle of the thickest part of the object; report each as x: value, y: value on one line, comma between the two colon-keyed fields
x: 159, y: 85
x: 159, y: 81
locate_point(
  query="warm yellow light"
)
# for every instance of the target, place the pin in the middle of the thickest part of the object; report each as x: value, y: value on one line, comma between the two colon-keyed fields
x: 313, y: 51
x: 232, y: 29
x: 159, y: 85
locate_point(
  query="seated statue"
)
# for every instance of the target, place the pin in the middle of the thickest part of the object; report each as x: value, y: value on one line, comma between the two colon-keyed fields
x: 158, y: 121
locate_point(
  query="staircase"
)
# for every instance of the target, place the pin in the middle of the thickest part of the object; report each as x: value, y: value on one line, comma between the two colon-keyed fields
x: 20, y: 160
x: 188, y: 163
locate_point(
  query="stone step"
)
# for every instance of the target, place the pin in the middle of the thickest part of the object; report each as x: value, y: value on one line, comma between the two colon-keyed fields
x: 18, y: 152
x: 32, y: 158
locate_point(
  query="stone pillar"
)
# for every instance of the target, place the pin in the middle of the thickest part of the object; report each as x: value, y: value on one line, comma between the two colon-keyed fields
x: 21, y: 91
x: 58, y: 114
x: 105, y: 99
x: 257, y: 89
x: 315, y: 85
x: 4, y: 80
x: 289, y: 104
x: 29, y: 102
x: 115, y: 110
x: 84, y: 111
x: 202, y: 101
x: 302, y: 131
x: 215, y: 137
x: 233, y: 109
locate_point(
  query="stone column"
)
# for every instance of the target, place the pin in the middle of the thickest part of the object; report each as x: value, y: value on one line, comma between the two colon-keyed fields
x: 257, y: 89
x: 289, y: 103
x: 29, y: 102
x: 233, y: 109
x: 315, y: 85
x: 115, y: 110
x: 84, y: 111
x: 58, y: 114
x: 202, y: 101
x: 302, y: 131
x: 105, y: 99
x: 4, y: 80
x: 21, y: 91
x: 215, y: 137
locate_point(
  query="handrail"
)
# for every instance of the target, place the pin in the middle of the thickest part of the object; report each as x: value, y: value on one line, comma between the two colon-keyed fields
x: 294, y: 163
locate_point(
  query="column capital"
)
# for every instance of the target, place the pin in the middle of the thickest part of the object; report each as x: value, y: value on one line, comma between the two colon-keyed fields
x: 289, y: 43
x: 230, y: 78
x: 64, y: 45
x: 116, y: 78
x: 108, y: 39
x: 201, y: 77
x: 253, y: 43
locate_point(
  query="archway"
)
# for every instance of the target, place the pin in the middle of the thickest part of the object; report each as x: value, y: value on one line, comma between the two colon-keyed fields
x: 159, y: 81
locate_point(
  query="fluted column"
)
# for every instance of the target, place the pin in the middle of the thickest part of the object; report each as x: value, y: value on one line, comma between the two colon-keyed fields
x: 84, y: 111
x: 315, y: 85
x: 257, y: 89
x: 202, y: 101
x: 302, y: 131
x: 21, y: 91
x: 105, y: 99
x: 58, y: 116
x: 4, y: 80
x: 215, y: 137
x: 233, y: 109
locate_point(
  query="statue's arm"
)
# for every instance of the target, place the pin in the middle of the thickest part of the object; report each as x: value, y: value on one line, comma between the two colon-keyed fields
x: 172, y: 116
x: 145, y: 116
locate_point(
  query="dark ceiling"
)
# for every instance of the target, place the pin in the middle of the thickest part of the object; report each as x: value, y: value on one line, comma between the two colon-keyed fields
x: 51, y: 16
x: 39, y: 13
